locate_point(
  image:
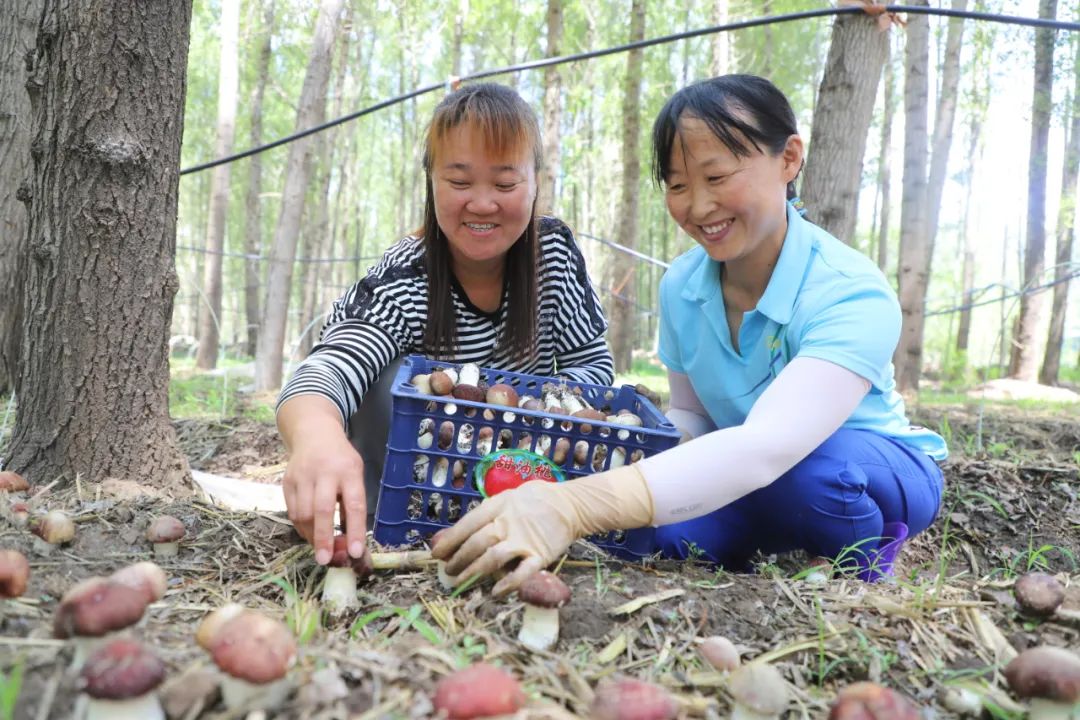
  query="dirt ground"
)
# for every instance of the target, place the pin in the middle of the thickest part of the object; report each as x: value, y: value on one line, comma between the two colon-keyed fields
x: 947, y: 621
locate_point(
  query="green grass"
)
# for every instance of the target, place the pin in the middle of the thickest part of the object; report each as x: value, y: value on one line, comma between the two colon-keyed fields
x: 204, y: 397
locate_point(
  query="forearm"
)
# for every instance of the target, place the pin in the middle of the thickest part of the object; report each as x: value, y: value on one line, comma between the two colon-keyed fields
x: 305, y: 417
x: 686, y: 411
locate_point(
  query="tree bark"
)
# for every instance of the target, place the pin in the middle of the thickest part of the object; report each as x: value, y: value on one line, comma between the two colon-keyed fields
x: 1023, y: 360
x: 552, y: 110
x: 228, y: 82
x: 252, y: 201
x: 312, y: 111
x: 108, y: 107
x: 721, y: 42
x: 17, y: 28
x: 1066, y: 226
x: 885, y: 167
x: 621, y: 280
x: 842, y: 120
x: 943, y: 122
x: 913, y: 264
x: 967, y: 238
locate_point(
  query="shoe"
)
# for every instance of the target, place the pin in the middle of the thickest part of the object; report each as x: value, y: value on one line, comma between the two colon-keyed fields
x: 878, y: 564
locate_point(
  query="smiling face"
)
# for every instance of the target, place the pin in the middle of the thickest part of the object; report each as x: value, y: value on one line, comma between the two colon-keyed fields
x: 483, y: 198
x: 733, y: 206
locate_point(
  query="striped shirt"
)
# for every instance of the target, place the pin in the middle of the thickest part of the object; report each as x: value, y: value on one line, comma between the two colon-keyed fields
x: 384, y: 316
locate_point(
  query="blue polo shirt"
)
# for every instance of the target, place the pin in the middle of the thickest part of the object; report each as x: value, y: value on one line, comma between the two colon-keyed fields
x: 824, y: 300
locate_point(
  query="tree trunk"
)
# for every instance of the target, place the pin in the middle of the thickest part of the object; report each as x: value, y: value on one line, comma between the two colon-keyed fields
x: 312, y: 111
x: 845, y: 109
x: 552, y: 110
x: 252, y: 201
x: 1023, y: 360
x: 93, y: 382
x: 721, y: 42
x: 228, y: 82
x: 943, y: 123
x: 1066, y: 225
x: 967, y: 274
x: 913, y: 264
x: 17, y: 28
x: 885, y: 167
x: 621, y: 281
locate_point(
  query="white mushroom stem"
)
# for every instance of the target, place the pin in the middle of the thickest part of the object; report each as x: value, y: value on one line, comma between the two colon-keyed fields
x: 339, y: 590
x: 438, y: 478
x: 741, y: 712
x: 238, y: 693
x: 446, y: 581
x: 84, y: 646
x: 469, y: 375
x: 539, y: 627
x: 144, y: 707
x: 618, y: 458
x: 1042, y: 709
x: 166, y: 550
x: 571, y: 403
x: 452, y: 374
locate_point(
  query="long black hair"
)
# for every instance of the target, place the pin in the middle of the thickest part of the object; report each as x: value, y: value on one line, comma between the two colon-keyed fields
x: 507, y: 123
x: 732, y: 107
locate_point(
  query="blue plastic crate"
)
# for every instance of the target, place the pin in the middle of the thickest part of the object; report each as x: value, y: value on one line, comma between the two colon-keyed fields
x: 426, y: 489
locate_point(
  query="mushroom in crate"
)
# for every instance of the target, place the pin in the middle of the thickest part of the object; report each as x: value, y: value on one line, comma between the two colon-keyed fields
x: 120, y: 679
x: 543, y: 593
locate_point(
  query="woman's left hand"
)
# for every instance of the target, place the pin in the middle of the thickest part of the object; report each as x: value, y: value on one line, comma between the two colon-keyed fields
x: 534, y: 523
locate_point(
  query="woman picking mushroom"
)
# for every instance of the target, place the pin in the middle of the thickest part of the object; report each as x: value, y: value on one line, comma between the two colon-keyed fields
x: 778, y: 339
x: 464, y: 288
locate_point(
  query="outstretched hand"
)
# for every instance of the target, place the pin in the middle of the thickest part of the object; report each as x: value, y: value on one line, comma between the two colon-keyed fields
x: 534, y: 524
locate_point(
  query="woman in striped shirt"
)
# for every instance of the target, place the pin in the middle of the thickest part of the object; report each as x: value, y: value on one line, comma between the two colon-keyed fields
x: 485, y: 280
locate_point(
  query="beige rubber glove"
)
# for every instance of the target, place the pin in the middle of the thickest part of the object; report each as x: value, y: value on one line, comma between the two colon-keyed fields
x: 536, y: 522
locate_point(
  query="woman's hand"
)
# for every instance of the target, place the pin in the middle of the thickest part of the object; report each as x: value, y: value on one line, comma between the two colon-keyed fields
x: 324, y: 471
x: 534, y: 523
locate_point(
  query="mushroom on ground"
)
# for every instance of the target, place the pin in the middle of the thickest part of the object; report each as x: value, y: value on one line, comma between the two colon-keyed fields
x: 543, y: 594
x: 213, y: 622
x: 255, y: 653
x: 630, y: 698
x: 92, y: 610
x: 342, y: 572
x: 478, y: 691
x: 165, y: 532
x: 759, y: 692
x: 120, y: 678
x: 13, y: 482
x: 14, y: 574
x: 720, y: 652
x: 146, y: 577
x: 869, y: 701
x: 1038, y: 593
x: 19, y: 514
x: 1050, y: 678
x: 52, y: 529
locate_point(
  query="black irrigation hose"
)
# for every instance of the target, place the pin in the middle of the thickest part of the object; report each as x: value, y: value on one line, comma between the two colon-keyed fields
x: 741, y: 25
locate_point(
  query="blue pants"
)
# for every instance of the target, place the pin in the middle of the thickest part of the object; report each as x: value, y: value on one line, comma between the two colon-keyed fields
x: 837, y: 497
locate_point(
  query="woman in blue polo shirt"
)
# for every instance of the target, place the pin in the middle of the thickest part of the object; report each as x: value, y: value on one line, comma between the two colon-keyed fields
x: 778, y: 340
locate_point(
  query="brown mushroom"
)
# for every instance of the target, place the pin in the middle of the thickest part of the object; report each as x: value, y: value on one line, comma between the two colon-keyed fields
x: 759, y: 692
x: 480, y: 690
x: 255, y: 653
x: 52, y: 529
x: 13, y: 482
x: 720, y: 652
x: 19, y: 514
x: 120, y: 678
x: 146, y: 577
x: 165, y: 532
x: 14, y: 574
x: 441, y: 383
x: 630, y: 698
x: 543, y: 594
x: 1049, y: 677
x: 92, y: 610
x: 1038, y: 593
x: 869, y: 701
x: 502, y: 394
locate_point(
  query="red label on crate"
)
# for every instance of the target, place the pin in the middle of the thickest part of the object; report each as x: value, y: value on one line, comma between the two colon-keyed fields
x: 506, y: 469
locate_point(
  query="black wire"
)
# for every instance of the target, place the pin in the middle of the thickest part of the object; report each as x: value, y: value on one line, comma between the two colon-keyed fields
x: 741, y: 25
x: 1003, y: 298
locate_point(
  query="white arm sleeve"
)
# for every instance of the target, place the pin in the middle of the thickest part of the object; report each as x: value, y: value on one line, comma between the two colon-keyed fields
x: 686, y: 411
x: 806, y: 403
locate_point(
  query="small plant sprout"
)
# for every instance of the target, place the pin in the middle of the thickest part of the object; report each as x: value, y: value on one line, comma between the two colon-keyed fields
x: 630, y: 698
x: 1050, y: 678
x: 342, y: 572
x: 868, y: 700
x: 121, y: 678
x: 94, y: 609
x: 720, y: 652
x: 543, y: 594
x: 146, y: 577
x: 758, y: 692
x: 165, y: 532
x: 254, y: 652
x: 52, y: 529
x: 1038, y: 594
x: 480, y: 690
